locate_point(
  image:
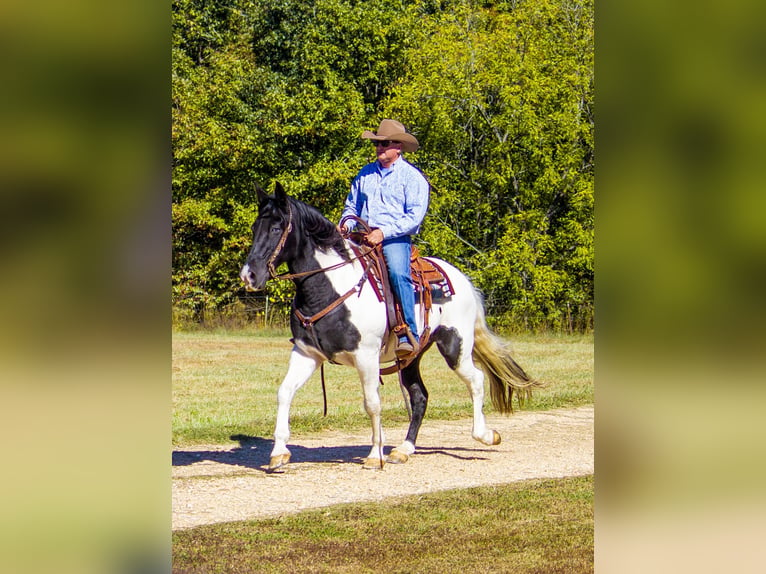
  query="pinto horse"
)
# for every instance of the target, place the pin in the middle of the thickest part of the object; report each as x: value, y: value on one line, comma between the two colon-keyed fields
x: 329, y: 278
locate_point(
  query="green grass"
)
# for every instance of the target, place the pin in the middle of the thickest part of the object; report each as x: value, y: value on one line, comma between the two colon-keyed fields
x: 536, y: 526
x: 225, y: 383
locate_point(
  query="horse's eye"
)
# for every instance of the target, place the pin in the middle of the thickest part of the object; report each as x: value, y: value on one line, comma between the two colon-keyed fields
x: 276, y: 230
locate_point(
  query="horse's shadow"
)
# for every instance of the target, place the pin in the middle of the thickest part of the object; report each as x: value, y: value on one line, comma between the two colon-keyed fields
x: 254, y: 453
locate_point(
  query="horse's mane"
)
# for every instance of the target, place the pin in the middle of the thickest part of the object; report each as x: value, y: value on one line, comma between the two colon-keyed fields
x: 318, y: 228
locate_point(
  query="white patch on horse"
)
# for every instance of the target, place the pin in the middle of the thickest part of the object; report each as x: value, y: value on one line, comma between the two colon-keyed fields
x: 244, y: 274
x: 367, y: 312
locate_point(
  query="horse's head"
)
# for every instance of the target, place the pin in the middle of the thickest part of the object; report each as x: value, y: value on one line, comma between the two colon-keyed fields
x: 271, y: 231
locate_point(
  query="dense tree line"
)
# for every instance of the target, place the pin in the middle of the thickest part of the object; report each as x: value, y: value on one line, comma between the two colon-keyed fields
x: 499, y: 94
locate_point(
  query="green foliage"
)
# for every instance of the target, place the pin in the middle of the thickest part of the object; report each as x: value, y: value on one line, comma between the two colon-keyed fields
x: 504, y: 101
x: 500, y: 98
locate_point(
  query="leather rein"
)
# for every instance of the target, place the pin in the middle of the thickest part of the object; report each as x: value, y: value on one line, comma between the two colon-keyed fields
x: 289, y: 276
x: 308, y: 322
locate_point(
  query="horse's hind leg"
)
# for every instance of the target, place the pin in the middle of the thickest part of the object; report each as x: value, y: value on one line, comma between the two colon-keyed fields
x: 413, y: 383
x: 457, y: 351
x: 473, y: 377
x: 300, y: 368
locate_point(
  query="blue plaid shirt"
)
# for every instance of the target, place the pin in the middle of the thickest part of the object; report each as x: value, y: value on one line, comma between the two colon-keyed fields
x: 393, y: 199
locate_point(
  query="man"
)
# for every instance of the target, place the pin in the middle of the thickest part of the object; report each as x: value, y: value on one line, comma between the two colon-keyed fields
x: 391, y: 195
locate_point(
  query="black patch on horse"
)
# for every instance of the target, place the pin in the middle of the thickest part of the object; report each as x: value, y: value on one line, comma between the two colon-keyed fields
x: 448, y: 341
x: 317, y: 229
x: 333, y: 333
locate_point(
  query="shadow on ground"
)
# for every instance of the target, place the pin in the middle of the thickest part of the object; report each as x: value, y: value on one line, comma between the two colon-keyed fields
x: 254, y: 453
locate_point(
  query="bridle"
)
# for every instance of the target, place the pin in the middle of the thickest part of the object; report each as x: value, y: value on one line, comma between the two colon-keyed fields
x: 362, y: 256
x: 281, y: 244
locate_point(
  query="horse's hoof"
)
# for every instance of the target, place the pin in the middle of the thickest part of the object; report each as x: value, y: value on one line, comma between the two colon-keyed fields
x: 279, y: 461
x: 495, y: 437
x: 373, y: 464
x: 397, y: 457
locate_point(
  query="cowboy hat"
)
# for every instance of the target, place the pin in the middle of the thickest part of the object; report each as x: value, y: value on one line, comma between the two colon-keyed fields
x: 394, y: 131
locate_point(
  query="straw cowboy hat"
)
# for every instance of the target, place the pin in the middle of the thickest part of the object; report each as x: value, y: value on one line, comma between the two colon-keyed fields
x: 394, y: 131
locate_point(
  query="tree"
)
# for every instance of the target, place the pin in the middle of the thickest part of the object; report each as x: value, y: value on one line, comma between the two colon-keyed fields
x: 503, y: 104
x: 499, y: 94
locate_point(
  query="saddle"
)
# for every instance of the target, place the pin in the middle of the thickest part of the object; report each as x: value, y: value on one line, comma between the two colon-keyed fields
x: 429, y: 280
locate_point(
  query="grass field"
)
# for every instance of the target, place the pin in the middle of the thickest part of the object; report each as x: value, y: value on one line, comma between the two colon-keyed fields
x: 536, y: 526
x: 225, y: 384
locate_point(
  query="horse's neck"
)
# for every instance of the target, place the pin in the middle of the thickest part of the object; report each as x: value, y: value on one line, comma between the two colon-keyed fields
x: 316, y: 259
x: 312, y: 257
x: 330, y: 257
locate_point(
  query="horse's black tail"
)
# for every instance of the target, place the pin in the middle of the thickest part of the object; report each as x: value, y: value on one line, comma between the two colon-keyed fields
x: 494, y: 356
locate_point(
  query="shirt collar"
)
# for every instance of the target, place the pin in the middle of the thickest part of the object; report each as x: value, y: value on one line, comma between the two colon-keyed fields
x: 386, y: 170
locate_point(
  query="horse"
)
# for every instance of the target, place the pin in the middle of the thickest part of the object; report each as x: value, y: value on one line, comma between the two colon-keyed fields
x: 330, y: 281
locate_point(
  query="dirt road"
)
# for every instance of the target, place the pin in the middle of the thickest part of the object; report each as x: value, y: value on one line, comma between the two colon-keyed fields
x: 225, y: 483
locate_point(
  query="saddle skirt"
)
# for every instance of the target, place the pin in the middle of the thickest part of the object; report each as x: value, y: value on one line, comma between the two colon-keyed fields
x: 429, y: 279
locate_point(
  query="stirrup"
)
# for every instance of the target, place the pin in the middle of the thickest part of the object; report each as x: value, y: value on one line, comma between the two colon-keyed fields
x: 408, y: 348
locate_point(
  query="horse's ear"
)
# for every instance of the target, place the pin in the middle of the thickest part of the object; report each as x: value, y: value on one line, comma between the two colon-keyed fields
x: 280, y: 195
x: 262, y: 195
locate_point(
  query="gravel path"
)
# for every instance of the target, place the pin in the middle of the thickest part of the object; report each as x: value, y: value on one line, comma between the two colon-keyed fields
x: 214, y: 484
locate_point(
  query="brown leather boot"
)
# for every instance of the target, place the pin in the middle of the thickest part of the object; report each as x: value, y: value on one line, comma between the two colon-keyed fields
x: 405, y: 349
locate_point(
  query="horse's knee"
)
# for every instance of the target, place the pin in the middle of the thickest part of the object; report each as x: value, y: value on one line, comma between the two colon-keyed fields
x: 372, y: 407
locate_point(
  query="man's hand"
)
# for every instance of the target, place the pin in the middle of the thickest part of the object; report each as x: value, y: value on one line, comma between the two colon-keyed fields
x: 373, y: 237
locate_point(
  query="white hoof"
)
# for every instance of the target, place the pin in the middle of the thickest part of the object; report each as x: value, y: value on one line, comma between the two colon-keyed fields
x: 490, y: 438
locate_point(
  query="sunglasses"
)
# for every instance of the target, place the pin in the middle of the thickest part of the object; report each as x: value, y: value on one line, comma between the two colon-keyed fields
x: 384, y: 143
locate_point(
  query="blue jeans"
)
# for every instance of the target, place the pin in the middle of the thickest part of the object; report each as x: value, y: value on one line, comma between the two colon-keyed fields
x: 397, y: 253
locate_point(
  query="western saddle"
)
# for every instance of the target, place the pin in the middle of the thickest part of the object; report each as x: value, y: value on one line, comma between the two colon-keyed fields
x: 428, y: 277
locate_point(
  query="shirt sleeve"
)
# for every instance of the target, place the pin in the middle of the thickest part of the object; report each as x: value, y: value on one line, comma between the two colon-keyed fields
x: 352, y: 199
x: 415, y: 207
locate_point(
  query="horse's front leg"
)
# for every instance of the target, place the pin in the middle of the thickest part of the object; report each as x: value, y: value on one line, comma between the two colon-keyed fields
x: 369, y: 372
x: 300, y: 368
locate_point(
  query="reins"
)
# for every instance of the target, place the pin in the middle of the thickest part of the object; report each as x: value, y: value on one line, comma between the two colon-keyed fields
x: 281, y: 244
x: 286, y: 276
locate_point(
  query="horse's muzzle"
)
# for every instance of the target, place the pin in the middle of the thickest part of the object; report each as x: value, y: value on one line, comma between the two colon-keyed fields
x: 252, y: 283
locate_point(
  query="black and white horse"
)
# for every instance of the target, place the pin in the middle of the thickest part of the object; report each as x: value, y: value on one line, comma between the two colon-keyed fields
x: 354, y: 332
